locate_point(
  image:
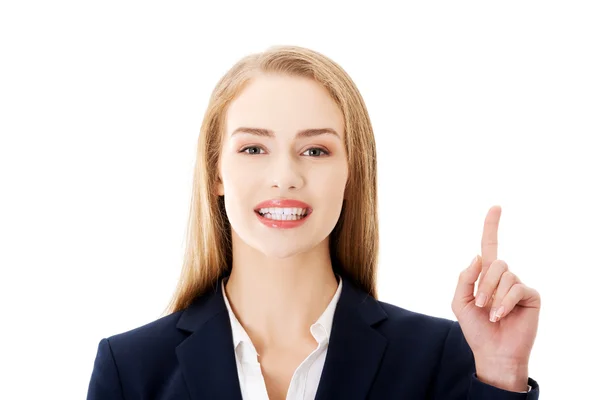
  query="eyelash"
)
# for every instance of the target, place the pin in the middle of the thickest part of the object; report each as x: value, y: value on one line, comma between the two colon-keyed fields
x: 325, y: 152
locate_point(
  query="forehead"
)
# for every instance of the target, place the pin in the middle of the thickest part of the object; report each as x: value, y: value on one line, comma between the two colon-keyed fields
x: 284, y: 104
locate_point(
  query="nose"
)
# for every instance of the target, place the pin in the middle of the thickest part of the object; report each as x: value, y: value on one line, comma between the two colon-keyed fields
x: 286, y: 173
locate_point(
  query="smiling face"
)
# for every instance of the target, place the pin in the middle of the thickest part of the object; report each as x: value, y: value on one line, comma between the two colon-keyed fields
x: 284, y: 141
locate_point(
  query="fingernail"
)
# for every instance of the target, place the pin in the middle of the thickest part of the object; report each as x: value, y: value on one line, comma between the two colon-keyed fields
x: 493, y: 314
x: 474, y: 261
x: 499, y: 313
x: 481, y: 298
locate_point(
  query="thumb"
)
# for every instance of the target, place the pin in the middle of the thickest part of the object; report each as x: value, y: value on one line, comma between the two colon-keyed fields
x: 466, y: 284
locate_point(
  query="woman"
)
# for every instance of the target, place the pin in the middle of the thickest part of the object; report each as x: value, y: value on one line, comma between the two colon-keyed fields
x: 277, y: 297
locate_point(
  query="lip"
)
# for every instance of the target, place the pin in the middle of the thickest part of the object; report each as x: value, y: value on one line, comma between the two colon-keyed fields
x: 286, y: 203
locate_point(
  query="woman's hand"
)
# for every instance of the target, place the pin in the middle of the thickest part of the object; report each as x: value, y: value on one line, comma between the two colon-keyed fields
x: 500, y: 323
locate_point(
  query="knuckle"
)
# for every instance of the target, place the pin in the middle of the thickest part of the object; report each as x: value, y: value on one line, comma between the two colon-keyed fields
x: 501, y: 265
x: 510, y: 276
x: 464, y: 276
x: 517, y: 290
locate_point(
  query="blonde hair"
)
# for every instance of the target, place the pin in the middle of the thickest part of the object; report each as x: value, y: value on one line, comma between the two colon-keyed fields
x: 354, y: 242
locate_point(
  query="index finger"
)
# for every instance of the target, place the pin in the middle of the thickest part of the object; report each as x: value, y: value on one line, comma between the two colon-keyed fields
x: 489, y: 240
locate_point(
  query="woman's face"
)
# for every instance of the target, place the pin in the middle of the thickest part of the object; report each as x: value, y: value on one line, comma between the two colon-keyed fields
x: 283, y: 145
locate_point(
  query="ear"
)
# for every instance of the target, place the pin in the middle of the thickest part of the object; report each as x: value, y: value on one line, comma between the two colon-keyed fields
x: 219, y: 189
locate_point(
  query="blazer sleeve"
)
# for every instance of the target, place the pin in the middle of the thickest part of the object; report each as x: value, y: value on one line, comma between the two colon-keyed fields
x: 105, y: 383
x: 456, y: 378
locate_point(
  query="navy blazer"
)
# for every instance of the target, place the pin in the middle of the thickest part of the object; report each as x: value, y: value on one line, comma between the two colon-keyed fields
x: 376, y: 351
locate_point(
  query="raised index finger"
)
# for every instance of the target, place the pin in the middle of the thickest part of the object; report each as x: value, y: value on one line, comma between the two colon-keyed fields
x: 489, y: 240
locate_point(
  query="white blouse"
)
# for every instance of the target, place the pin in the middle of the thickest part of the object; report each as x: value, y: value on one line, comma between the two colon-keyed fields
x: 305, y: 380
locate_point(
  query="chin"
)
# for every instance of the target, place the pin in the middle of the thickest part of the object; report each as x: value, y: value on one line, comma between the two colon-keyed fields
x: 281, y: 252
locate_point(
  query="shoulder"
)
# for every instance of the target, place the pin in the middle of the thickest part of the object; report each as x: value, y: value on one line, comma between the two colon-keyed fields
x: 154, y: 339
x: 399, y: 317
x: 159, y: 328
x: 416, y: 330
x: 135, y: 362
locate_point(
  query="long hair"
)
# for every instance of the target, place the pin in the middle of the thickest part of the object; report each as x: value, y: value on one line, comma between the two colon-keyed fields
x: 354, y: 241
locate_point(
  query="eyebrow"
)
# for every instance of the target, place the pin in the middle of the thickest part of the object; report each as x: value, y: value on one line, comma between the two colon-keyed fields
x: 303, y: 133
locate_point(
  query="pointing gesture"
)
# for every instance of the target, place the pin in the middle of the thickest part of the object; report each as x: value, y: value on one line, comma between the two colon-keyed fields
x: 489, y: 240
x: 500, y: 321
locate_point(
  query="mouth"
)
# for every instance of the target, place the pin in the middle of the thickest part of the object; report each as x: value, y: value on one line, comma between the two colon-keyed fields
x: 282, y: 209
x: 283, y: 213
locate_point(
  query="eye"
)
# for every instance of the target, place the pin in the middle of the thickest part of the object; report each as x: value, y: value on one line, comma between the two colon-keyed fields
x: 315, y: 152
x: 251, y: 150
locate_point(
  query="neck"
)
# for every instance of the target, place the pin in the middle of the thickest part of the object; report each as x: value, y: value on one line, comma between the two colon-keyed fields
x: 277, y: 300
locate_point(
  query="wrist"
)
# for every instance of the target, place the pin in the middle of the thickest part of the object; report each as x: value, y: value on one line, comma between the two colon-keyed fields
x: 512, y: 377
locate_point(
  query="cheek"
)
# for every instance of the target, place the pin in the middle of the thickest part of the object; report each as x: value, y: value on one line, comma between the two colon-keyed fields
x: 329, y: 187
x: 236, y: 189
x: 238, y: 177
x: 333, y: 179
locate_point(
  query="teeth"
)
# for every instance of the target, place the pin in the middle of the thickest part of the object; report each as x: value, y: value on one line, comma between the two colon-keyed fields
x: 283, y: 214
x: 283, y: 211
x: 283, y: 217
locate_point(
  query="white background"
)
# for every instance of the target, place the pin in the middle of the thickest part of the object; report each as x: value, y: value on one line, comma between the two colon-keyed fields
x: 473, y: 104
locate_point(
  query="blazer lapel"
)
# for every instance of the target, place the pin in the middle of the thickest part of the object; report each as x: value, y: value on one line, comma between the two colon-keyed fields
x: 355, y: 348
x: 207, y: 356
